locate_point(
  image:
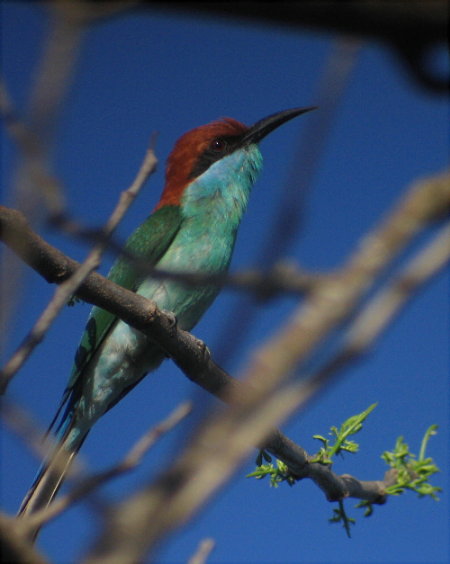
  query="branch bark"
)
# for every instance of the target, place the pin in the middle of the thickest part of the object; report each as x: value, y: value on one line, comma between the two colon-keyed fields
x: 190, y: 354
x: 256, y: 404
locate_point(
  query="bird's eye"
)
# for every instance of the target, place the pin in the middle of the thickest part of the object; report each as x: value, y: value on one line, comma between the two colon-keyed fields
x: 218, y: 145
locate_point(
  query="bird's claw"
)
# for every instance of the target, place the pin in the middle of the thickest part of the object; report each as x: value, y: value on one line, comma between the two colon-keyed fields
x: 203, y: 348
x: 171, y: 318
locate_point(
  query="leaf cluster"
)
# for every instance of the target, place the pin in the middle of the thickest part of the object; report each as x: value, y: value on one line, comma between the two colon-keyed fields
x: 341, y: 442
x: 277, y: 474
x: 411, y: 472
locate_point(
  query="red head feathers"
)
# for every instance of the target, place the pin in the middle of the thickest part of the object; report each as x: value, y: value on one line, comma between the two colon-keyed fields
x: 187, y: 151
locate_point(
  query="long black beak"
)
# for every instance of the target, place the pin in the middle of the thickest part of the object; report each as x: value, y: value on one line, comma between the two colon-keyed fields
x: 264, y: 126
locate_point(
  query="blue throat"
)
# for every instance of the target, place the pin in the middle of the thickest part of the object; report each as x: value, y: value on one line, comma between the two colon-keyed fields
x: 221, y: 193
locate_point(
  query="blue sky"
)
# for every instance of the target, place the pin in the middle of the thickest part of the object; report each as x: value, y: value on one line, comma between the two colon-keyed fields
x: 169, y: 73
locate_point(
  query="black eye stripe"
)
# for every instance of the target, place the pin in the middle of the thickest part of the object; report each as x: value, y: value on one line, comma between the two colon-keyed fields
x: 217, y: 149
x: 218, y: 145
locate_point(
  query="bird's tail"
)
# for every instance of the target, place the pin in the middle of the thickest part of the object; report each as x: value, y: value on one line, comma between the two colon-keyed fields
x: 49, y: 479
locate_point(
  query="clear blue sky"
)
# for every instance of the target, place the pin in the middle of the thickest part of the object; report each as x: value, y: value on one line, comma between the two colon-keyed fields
x: 148, y: 72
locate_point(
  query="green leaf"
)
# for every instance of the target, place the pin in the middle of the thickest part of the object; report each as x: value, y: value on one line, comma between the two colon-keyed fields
x: 341, y: 435
x: 412, y: 474
x: 340, y: 516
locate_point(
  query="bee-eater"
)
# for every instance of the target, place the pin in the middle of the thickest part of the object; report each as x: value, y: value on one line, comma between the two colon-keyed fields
x: 209, y: 176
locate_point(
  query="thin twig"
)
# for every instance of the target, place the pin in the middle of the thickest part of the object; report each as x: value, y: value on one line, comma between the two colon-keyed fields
x: 380, y: 310
x: 35, y: 187
x: 69, y: 287
x: 203, y: 551
x: 223, y: 442
x: 335, y: 298
x: 84, y: 486
x: 288, y: 219
x: 139, y: 523
x: 15, y: 548
x: 34, y: 437
x: 248, y: 424
x: 366, y: 328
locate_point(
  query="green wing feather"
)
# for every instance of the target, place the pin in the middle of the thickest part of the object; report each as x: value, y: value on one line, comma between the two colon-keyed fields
x: 148, y: 242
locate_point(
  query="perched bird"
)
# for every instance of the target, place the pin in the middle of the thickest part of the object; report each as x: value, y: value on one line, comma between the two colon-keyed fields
x: 209, y: 176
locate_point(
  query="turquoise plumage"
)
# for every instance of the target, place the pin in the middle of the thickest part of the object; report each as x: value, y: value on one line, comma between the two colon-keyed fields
x: 209, y: 177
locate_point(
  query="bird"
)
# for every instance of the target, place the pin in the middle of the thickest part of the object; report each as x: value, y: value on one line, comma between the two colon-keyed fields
x: 209, y: 176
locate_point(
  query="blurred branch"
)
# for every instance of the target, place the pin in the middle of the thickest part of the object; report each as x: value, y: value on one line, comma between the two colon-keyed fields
x: 34, y: 132
x: 288, y: 220
x: 14, y: 548
x: 427, y: 201
x: 69, y: 286
x: 138, y: 524
x: 412, y: 30
x: 335, y: 298
x: 204, y: 550
x: 36, y: 188
x: 32, y: 152
x: 256, y: 405
x: 380, y: 309
x: 86, y: 485
x: 53, y: 78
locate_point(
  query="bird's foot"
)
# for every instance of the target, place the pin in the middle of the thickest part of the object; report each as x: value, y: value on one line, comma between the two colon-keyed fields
x: 202, y: 347
x: 171, y: 318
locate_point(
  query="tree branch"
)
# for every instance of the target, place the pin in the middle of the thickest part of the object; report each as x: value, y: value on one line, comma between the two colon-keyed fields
x: 189, y: 353
x: 86, y: 485
x: 256, y: 404
x: 69, y: 286
x: 14, y: 547
x: 203, y: 551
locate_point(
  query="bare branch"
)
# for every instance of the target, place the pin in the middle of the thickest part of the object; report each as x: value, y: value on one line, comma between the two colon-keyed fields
x: 224, y: 442
x: 373, y: 319
x: 380, y: 310
x: 36, y: 187
x: 69, y: 286
x: 14, y: 548
x: 336, y: 297
x: 138, y: 524
x: 410, y: 29
x: 289, y: 218
x: 204, y: 550
x: 85, y: 486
